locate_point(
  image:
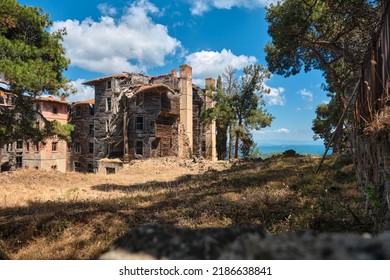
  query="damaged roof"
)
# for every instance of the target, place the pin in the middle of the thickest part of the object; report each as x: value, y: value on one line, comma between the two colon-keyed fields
x: 106, y: 78
x: 153, y: 88
x: 51, y: 99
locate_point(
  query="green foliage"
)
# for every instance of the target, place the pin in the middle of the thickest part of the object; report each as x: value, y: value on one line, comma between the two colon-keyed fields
x: 372, y: 195
x: 32, y: 60
x: 327, y: 117
x: 239, y: 108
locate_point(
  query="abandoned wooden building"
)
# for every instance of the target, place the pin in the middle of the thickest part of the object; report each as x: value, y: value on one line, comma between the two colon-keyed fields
x: 138, y: 116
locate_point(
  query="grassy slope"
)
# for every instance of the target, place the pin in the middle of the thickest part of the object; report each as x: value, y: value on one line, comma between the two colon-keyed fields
x: 49, y: 215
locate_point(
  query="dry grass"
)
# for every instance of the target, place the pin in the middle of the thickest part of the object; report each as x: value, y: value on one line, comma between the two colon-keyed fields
x: 49, y: 215
x: 379, y: 122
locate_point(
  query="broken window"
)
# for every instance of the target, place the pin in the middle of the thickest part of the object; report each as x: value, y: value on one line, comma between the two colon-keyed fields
x: 90, y: 148
x: 139, y: 148
x: 139, y: 123
x: 77, y: 166
x: 77, y: 147
x: 108, y: 104
x: 54, y: 146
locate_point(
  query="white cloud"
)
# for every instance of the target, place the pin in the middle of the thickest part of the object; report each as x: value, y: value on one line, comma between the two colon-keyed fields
x: 199, y: 7
x: 211, y: 64
x: 306, y: 95
x: 132, y: 43
x: 107, y: 10
x: 275, y: 96
x: 282, y: 130
x: 82, y: 92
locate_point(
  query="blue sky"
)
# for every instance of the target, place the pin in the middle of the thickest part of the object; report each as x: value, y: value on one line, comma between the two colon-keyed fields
x: 155, y: 36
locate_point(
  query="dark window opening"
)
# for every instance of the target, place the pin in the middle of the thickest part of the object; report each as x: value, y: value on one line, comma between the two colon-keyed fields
x: 19, y: 144
x: 90, y: 131
x: 54, y: 146
x: 109, y: 84
x: 37, y: 147
x: 91, y: 110
x: 90, y: 148
x: 77, y: 147
x: 110, y: 170
x: 139, y: 148
x: 55, y: 109
x: 139, y: 125
x: 90, y: 167
x: 77, y: 166
x: 27, y: 146
x: 19, y: 161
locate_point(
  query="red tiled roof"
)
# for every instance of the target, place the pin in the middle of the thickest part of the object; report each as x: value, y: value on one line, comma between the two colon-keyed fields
x: 89, y: 101
x: 51, y: 99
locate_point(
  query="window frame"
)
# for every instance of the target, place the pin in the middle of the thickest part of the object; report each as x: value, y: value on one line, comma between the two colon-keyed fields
x: 137, y: 147
x: 138, y: 125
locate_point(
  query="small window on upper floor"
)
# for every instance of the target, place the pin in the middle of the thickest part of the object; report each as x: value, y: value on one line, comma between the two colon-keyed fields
x: 109, y: 84
x: 91, y: 110
x: 90, y: 148
x: 55, y: 109
x: 54, y: 146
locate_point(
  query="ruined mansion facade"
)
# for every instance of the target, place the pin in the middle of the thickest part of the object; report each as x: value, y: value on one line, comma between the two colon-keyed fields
x: 134, y: 116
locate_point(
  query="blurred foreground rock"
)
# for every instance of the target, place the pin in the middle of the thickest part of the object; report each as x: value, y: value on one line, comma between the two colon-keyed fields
x: 244, y: 243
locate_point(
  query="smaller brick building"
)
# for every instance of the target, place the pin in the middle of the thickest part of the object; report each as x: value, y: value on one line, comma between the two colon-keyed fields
x: 53, y: 154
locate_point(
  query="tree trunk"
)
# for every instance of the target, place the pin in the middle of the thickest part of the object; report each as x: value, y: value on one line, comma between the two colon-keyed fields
x: 230, y: 143
x: 221, y: 138
x: 236, y: 144
x: 1, y: 155
x: 372, y: 159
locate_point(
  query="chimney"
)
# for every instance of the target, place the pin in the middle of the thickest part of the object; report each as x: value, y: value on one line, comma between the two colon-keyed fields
x: 210, y: 83
x: 174, y: 73
x: 211, y: 140
x: 185, y: 85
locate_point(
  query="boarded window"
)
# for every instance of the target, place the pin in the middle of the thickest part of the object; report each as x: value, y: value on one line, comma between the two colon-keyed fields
x: 139, y: 148
x: 54, y: 146
x: 139, y: 123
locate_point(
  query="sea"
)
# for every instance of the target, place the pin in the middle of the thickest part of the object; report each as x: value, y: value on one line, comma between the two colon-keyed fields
x: 267, y: 150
